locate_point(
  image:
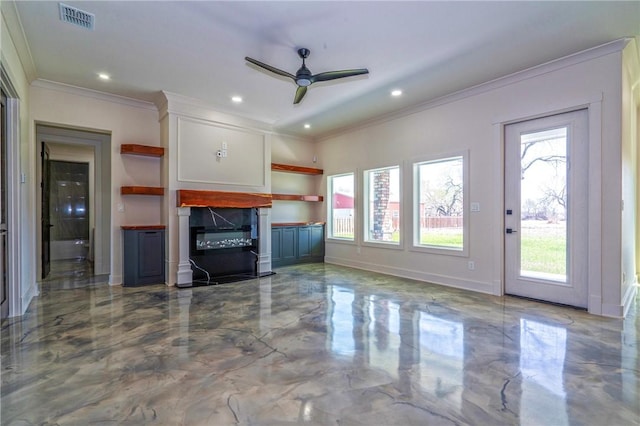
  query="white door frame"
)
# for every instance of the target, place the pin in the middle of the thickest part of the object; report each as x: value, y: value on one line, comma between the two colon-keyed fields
x: 593, y: 104
x: 573, y: 290
x: 14, y: 199
x: 102, y: 185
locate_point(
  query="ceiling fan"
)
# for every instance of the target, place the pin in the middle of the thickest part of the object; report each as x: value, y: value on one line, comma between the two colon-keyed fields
x: 303, y: 77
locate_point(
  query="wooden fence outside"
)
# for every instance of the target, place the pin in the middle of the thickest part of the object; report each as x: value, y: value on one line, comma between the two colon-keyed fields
x: 344, y: 225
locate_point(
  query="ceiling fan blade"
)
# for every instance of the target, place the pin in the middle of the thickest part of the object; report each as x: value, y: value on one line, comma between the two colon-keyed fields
x: 270, y: 68
x: 332, y: 75
x: 302, y: 90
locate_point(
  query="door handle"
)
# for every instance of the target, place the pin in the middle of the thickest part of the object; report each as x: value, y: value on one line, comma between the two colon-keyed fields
x: 511, y: 231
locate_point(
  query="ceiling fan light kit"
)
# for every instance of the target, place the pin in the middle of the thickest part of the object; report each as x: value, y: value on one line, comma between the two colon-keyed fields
x: 303, y: 77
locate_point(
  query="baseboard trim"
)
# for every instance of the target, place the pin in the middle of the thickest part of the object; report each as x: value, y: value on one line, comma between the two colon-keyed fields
x: 629, y: 298
x: 115, y: 279
x: 444, y: 280
x: 28, y: 296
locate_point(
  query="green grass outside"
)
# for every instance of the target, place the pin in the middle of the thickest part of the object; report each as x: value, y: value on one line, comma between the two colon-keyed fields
x: 447, y: 240
x: 544, y: 254
x: 539, y: 253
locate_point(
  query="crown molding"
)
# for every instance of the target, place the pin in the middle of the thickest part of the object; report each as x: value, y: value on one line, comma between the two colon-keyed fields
x: 615, y: 46
x: 93, y: 94
x: 11, y: 20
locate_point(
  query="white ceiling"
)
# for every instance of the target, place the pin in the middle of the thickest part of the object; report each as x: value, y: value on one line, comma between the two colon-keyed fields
x: 197, y: 49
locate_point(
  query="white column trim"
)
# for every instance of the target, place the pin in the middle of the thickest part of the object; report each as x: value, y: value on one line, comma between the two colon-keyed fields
x: 184, y: 275
x: 264, y: 226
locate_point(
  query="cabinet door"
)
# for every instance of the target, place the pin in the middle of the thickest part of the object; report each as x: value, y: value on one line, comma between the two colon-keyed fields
x: 276, y: 244
x: 289, y: 249
x: 304, y: 242
x: 317, y: 241
x: 151, y: 252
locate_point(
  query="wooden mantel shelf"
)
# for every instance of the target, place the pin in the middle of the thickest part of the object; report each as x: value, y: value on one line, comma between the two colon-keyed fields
x: 294, y: 197
x: 146, y: 150
x: 141, y: 190
x: 278, y: 224
x: 142, y: 227
x: 295, y: 169
x: 221, y: 199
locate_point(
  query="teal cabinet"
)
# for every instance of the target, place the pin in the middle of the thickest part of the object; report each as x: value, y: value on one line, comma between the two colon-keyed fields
x: 297, y: 244
x: 143, y: 254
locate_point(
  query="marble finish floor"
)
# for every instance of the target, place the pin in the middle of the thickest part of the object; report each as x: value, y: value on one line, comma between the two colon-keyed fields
x: 313, y: 344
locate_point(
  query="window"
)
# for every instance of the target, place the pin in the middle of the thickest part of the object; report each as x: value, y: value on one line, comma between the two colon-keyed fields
x: 439, y: 203
x: 341, y: 189
x: 382, y: 205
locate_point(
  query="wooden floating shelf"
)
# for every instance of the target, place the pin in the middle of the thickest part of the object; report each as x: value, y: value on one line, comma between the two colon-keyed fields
x: 141, y: 190
x: 146, y: 150
x: 293, y: 197
x: 295, y: 169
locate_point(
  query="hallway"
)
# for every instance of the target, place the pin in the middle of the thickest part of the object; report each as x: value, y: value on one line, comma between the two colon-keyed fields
x: 71, y: 273
x: 313, y: 344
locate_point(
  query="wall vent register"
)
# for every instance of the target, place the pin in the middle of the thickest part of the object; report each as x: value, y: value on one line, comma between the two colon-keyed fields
x: 78, y: 17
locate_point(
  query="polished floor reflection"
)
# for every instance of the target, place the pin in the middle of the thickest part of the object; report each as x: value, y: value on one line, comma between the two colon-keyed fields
x: 313, y: 344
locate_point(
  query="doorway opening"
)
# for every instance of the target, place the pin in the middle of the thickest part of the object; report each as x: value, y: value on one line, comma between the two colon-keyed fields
x: 70, y: 217
x: 75, y: 194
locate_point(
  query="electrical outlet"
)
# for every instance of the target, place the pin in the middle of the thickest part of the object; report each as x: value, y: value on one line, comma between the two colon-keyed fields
x: 472, y: 265
x: 475, y: 207
x: 224, y: 145
x: 120, y: 207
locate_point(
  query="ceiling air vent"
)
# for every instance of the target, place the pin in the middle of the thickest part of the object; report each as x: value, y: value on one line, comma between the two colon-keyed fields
x: 76, y: 16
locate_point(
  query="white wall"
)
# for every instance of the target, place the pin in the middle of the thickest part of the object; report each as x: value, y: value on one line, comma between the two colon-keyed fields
x: 22, y: 281
x: 473, y: 120
x: 126, y: 121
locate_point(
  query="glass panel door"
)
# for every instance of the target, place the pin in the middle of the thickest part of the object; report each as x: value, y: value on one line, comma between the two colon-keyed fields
x: 546, y: 198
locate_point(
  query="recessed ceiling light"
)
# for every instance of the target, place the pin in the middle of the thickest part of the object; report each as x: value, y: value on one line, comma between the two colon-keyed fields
x: 396, y: 92
x: 307, y: 126
x: 104, y: 76
x: 236, y: 99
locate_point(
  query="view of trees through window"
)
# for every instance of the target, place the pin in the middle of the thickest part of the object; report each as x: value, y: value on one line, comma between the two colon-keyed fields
x: 543, y: 210
x: 440, y: 207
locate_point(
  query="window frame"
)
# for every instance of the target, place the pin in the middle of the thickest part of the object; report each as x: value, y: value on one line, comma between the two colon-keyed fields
x: 366, y: 241
x: 329, y: 199
x: 415, y: 208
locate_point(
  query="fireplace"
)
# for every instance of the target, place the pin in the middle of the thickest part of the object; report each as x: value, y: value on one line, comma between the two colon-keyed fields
x: 223, y: 237
x: 223, y: 244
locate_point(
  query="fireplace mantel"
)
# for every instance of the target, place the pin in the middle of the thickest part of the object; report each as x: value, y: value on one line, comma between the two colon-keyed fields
x: 221, y: 199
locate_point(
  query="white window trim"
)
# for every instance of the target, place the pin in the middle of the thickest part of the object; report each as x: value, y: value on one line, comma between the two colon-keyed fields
x: 329, y: 199
x: 365, y: 210
x: 415, y: 202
